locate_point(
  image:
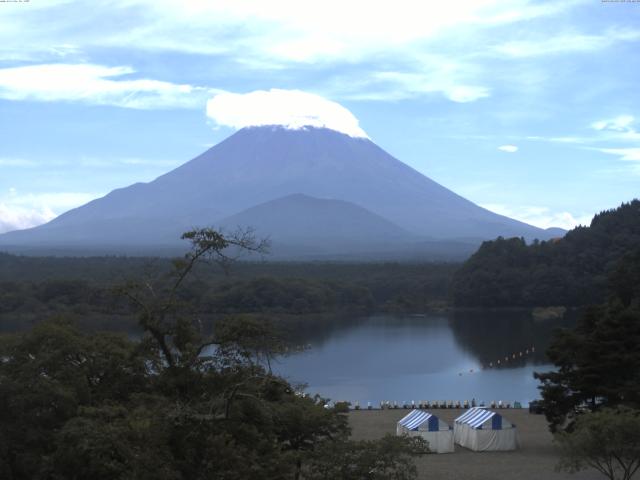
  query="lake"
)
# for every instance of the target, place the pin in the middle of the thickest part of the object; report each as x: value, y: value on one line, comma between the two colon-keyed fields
x: 433, y: 357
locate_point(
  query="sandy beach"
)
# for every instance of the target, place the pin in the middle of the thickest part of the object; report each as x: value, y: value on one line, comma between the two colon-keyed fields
x: 534, y: 460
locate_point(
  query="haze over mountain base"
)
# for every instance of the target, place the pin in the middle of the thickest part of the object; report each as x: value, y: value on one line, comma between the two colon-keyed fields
x: 316, y: 193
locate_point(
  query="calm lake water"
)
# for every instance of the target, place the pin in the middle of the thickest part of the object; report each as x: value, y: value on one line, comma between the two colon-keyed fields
x: 441, y: 357
x: 435, y: 357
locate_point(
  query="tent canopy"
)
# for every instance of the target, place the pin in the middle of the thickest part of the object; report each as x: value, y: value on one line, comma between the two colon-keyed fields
x: 478, y: 418
x: 419, y: 423
x: 419, y: 419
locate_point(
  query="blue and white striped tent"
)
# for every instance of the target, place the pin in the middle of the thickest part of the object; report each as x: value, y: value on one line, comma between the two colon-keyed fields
x: 480, y: 429
x: 428, y: 426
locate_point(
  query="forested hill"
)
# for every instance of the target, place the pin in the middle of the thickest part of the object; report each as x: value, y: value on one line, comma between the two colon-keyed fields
x: 570, y: 271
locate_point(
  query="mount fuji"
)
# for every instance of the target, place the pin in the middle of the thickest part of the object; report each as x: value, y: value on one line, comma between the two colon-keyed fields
x: 315, y: 192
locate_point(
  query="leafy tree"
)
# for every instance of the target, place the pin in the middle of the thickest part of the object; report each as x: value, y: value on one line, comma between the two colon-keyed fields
x: 33, y: 288
x: 571, y: 270
x: 388, y: 458
x: 113, y: 441
x: 158, y: 304
x: 607, y: 440
x: 598, y: 362
x: 46, y: 375
x: 179, y: 404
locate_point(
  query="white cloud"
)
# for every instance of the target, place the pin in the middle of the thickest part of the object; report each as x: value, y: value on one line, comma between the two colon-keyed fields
x: 263, y: 35
x: 439, y: 76
x: 565, y: 43
x: 18, y: 218
x: 56, y: 201
x: 466, y: 93
x: 19, y: 211
x: 621, y: 123
x: 631, y: 154
x: 65, y: 50
x: 619, y: 129
x: 607, y: 131
x: 306, y: 31
x: 565, y: 139
x: 258, y: 34
x: 541, y: 217
x: 17, y: 162
x: 508, y: 148
x: 97, y: 85
x: 289, y: 108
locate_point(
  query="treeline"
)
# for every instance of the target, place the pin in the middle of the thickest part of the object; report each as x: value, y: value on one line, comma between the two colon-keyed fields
x: 598, y: 361
x: 180, y: 403
x: 570, y: 271
x: 101, y: 406
x: 592, y: 397
x: 87, y: 289
x: 299, y: 296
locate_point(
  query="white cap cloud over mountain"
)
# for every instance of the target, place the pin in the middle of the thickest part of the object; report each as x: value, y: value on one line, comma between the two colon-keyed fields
x: 292, y: 109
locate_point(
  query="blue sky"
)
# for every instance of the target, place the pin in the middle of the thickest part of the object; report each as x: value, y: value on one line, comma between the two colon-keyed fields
x: 531, y: 109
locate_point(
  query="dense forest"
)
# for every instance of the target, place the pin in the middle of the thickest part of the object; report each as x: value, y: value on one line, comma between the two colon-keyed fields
x: 177, y: 404
x: 162, y: 406
x: 598, y: 362
x: 570, y: 271
x: 86, y: 290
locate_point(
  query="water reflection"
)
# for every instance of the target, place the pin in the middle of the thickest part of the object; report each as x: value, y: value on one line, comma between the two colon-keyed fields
x: 492, y: 336
x: 422, y: 358
x: 404, y: 358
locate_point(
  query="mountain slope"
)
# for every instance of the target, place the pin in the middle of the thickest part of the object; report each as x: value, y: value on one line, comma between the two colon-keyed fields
x: 257, y: 165
x: 569, y: 271
x: 307, y: 227
x: 307, y: 219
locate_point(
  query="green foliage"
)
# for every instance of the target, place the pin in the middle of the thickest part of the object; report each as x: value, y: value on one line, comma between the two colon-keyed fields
x: 47, y: 375
x: 569, y: 271
x: 625, y: 280
x: 298, y: 296
x: 607, y: 440
x: 112, y: 442
x: 99, y: 406
x: 82, y: 289
x: 180, y: 404
x: 598, y: 362
x: 388, y: 458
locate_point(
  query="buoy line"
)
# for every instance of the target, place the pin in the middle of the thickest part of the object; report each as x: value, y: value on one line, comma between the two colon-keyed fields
x: 501, y: 361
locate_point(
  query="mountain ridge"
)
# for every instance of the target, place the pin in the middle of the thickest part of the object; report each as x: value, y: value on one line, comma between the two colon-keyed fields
x: 259, y: 164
